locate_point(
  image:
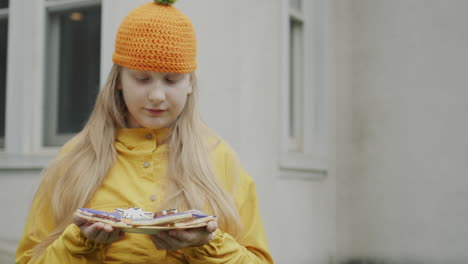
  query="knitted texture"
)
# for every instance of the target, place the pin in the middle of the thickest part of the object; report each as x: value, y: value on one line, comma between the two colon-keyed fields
x: 165, y: 2
x: 158, y: 38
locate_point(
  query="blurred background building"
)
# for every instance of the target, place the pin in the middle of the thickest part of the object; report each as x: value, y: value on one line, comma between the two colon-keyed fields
x: 349, y: 114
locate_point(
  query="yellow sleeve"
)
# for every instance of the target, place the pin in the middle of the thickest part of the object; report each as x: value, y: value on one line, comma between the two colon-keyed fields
x: 70, y: 247
x: 224, y: 248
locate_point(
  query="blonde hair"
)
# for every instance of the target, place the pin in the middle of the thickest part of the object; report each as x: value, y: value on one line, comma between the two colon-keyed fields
x: 75, y: 175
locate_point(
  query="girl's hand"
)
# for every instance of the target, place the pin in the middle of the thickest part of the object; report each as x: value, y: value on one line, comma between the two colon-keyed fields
x: 98, y: 232
x: 184, y: 238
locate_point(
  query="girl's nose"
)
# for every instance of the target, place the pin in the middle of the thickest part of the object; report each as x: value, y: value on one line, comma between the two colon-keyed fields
x: 156, y: 94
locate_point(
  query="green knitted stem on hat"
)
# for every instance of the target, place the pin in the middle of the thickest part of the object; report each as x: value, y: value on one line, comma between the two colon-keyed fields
x: 165, y: 2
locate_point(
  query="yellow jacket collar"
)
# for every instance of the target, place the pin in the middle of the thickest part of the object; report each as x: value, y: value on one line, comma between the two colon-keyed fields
x: 132, y: 137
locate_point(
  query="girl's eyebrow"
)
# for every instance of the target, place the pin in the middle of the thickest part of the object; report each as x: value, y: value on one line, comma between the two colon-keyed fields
x: 150, y: 72
x: 175, y: 75
x: 136, y: 71
x: 139, y: 72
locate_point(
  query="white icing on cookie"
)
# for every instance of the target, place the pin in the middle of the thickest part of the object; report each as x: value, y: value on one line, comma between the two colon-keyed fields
x: 134, y: 213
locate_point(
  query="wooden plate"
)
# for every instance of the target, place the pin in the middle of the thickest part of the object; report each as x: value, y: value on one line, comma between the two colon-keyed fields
x: 151, y: 230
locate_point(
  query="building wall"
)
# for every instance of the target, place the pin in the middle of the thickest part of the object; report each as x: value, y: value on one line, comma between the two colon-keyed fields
x: 402, y: 128
x: 16, y: 191
x: 399, y: 153
x: 239, y: 79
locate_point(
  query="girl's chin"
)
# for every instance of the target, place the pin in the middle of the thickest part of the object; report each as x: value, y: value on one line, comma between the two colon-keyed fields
x: 150, y: 124
x: 154, y: 126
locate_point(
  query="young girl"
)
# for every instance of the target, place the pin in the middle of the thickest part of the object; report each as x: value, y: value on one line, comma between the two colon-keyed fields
x: 145, y: 146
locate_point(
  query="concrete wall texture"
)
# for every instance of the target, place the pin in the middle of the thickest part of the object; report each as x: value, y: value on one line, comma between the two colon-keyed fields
x: 401, y: 183
x: 395, y: 186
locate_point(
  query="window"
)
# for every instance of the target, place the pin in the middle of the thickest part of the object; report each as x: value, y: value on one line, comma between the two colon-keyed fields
x: 303, y: 89
x: 73, y: 64
x: 52, y: 76
x: 296, y: 73
x: 3, y: 66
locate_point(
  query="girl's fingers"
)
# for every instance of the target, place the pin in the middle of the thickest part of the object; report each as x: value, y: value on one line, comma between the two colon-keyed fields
x: 98, y: 232
x: 156, y: 243
x: 174, y: 242
x: 115, y: 235
x: 108, y: 228
x: 195, y: 235
x: 108, y: 234
x: 177, y: 239
x: 181, y: 235
x: 211, y: 226
x: 160, y: 243
x: 102, y: 236
x: 79, y: 221
x: 93, y: 230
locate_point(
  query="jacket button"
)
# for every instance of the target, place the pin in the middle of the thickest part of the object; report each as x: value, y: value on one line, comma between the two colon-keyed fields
x: 149, y: 136
x: 153, y: 198
x: 146, y: 164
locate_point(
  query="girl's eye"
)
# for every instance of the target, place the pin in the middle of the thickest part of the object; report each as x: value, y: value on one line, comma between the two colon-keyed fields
x: 174, y: 78
x: 171, y: 81
x: 142, y: 79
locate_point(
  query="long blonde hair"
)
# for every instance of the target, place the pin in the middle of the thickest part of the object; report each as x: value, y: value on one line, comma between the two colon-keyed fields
x: 75, y: 175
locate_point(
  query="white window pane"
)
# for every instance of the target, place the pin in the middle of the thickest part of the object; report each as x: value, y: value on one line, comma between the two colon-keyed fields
x: 295, y: 4
x: 73, y: 71
x: 3, y: 64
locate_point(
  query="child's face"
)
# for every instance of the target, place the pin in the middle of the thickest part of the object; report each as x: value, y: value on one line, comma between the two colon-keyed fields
x: 154, y: 99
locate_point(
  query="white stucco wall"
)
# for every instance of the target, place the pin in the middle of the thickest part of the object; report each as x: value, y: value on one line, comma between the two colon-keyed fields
x: 239, y: 74
x: 239, y: 71
x: 400, y: 151
x: 402, y: 125
x: 16, y: 191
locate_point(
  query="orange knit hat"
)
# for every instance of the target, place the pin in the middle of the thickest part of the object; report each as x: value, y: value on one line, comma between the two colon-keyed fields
x: 156, y: 37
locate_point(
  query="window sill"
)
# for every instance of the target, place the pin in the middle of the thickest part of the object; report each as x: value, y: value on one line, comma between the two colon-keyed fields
x: 292, y: 174
x: 24, y: 162
x: 303, y: 166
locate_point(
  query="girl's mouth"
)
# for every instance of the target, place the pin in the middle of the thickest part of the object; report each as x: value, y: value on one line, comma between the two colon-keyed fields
x: 155, y: 111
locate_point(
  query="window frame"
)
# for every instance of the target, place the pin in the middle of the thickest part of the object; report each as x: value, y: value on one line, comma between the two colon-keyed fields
x: 4, y: 14
x: 310, y: 158
x: 52, y: 72
x: 294, y: 143
x: 24, y: 120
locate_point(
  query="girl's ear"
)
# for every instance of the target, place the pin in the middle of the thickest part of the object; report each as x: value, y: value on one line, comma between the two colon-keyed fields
x: 190, y: 89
